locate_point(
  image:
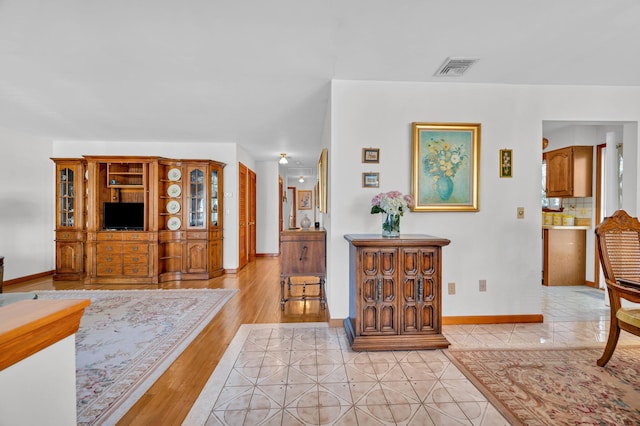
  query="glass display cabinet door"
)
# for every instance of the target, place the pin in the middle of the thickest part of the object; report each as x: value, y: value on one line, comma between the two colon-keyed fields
x: 196, y: 198
x: 214, y: 198
x: 66, y: 200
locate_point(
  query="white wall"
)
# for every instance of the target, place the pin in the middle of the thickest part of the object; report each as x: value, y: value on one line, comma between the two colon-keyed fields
x: 27, y: 205
x: 267, y: 209
x: 490, y: 244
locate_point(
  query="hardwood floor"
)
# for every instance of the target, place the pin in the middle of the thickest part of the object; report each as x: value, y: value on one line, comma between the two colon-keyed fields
x: 169, y: 400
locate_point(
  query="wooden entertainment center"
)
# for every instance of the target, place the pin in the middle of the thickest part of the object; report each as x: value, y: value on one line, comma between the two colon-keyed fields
x: 138, y: 220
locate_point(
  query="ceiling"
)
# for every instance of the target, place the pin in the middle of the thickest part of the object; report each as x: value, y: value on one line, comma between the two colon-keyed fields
x: 258, y: 72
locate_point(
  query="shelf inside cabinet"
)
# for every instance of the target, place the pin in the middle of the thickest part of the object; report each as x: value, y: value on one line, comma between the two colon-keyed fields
x: 125, y: 175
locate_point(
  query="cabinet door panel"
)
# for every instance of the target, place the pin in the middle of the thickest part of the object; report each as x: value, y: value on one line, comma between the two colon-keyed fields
x: 419, y: 266
x: 197, y: 256
x: 427, y: 320
x: 369, y: 290
x: 379, y: 292
x: 410, y: 319
x: 68, y: 257
x: 559, y: 172
x: 369, y: 324
x: 387, y: 319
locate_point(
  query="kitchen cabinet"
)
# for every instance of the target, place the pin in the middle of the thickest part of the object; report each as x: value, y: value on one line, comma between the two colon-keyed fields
x: 395, y: 292
x: 564, y: 260
x: 569, y: 172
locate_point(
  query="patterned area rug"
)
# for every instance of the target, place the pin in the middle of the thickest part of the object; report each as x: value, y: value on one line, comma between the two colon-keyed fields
x: 557, y: 386
x: 128, y: 338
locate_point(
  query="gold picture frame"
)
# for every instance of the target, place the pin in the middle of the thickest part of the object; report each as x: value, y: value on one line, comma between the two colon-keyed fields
x: 506, y: 163
x: 371, y: 180
x: 445, y: 166
x: 371, y: 155
x: 305, y: 199
x: 323, y: 173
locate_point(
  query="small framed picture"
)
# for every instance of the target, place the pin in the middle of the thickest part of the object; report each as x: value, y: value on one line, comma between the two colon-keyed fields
x: 370, y: 155
x: 371, y: 180
x: 506, y: 163
x: 304, y: 200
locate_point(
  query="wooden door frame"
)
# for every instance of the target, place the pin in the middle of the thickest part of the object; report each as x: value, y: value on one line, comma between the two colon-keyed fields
x: 599, y: 162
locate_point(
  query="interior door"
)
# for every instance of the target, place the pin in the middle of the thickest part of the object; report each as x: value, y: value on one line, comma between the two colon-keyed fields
x: 243, y: 256
x: 252, y: 214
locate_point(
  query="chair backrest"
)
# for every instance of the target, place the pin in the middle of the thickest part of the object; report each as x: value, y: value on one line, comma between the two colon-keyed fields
x: 618, y: 242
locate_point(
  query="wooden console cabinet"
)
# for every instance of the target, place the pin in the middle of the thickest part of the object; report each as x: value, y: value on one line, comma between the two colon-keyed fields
x: 395, y: 292
x: 303, y: 254
x: 138, y: 220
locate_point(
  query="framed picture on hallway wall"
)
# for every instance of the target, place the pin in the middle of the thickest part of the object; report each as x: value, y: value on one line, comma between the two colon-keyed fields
x: 304, y: 200
x: 445, y: 165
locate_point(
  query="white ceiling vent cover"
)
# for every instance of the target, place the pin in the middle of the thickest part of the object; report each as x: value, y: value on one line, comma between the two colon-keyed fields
x: 455, y: 67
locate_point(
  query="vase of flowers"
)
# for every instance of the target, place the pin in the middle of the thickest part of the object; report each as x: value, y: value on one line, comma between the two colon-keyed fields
x: 392, y: 205
x: 441, y: 162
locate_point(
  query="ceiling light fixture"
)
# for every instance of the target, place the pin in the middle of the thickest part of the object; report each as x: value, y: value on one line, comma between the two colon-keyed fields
x: 283, y: 159
x: 301, y: 180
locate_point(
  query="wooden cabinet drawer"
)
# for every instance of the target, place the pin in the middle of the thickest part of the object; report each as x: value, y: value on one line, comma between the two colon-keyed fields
x: 136, y: 269
x: 136, y: 259
x: 110, y: 268
x: 197, y: 235
x: 303, y: 257
x: 68, y: 236
x: 108, y: 249
x: 135, y: 248
x: 109, y: 236
x: 135, y: 236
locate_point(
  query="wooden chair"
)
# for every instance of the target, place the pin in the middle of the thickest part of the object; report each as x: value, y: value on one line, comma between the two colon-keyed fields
x: 618, y: 243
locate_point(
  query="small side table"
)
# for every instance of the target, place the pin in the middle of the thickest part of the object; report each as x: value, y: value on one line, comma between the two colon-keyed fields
x: 302, y: 254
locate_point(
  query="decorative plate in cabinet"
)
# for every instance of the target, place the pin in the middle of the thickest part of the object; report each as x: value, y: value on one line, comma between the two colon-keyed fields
x: 174, y: 223
x: 174, y: 190
x: 174, y: 174
x: 173, y: 207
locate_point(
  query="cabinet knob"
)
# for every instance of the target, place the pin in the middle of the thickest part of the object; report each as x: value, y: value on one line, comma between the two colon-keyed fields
x: 419, y: 287
x: 379, y: 289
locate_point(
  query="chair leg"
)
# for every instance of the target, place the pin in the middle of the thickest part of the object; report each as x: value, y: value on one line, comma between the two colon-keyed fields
x: 612, y: 341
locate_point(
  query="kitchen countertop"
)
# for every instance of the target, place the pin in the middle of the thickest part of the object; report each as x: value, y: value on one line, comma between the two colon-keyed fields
x: 574, y: 227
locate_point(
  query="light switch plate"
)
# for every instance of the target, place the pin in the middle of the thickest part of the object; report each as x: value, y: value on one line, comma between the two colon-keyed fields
x: 520, y: 213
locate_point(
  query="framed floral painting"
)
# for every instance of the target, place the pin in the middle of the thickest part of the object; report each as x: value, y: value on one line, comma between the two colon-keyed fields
x: 445, y: 164
x: 506, y: 163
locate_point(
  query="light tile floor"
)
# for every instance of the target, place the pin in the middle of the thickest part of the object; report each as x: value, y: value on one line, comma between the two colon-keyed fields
x: 306, y: 374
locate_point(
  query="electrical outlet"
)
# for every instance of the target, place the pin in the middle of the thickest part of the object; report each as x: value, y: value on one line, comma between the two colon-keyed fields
x: 483, y: 285
x: 520, y: 213
x: 452, y: 288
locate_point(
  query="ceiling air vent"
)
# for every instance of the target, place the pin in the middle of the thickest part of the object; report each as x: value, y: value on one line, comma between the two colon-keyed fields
x: 455, y: 67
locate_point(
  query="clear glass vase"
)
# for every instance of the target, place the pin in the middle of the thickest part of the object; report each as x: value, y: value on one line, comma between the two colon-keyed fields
x: 391, y: 225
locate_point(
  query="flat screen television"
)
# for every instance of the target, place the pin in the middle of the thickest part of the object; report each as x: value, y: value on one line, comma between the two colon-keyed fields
x: 122, y: 216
